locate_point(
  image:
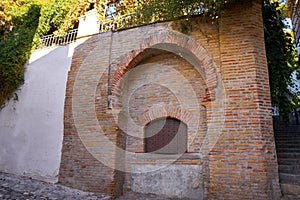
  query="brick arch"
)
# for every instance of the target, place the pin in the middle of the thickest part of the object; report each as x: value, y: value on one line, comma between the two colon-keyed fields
x: 169, y: 41
x: 157, y: 112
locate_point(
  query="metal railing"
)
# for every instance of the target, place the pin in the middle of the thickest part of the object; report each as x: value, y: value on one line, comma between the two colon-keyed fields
x: 57, y: 40
x: 111, y: 24
x: 122, y: 22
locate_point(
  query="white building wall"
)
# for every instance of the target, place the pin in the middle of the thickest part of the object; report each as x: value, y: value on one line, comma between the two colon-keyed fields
x: 88, y: 24
x: 31, y: 129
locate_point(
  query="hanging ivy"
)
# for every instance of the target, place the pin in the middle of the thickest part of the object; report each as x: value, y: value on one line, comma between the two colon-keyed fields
x: 281, y: 56
x: 17, y: 33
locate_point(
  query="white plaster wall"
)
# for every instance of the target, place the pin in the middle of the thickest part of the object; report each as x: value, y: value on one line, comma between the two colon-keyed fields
x: 31, y: 129
x: 88, y: 24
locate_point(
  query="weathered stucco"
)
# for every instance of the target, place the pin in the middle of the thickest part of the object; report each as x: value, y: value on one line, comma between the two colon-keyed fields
x: 31, y: 128
x: 177, y: 181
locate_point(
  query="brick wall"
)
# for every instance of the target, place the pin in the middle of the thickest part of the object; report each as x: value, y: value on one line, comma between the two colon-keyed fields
x: 245, y: 153
x: 214, y: 79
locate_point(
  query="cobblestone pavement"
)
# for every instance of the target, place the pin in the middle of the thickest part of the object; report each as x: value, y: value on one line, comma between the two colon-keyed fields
x: 13, y: 187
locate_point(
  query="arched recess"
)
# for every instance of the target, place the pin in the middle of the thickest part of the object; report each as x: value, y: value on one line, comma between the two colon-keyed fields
x: 170, y: 41
x: 166, y: 42
x: 157, y: 112
x: 151, y: 77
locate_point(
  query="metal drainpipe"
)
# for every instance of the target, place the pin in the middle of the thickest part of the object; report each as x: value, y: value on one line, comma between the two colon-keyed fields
x: 109, y: 92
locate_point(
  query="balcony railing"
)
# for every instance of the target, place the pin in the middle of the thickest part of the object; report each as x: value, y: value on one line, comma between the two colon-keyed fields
x: 121, y: 22
x: 58, y: 40
x: 111, y: 24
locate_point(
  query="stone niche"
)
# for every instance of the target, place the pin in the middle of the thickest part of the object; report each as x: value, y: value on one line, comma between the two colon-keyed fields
x: 175, y: 181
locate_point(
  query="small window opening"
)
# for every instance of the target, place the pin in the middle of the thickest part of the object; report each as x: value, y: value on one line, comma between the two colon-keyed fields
x: 166, y: 136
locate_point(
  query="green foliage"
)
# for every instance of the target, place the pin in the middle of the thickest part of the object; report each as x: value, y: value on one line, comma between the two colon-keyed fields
x: 281, y: 56
x: 161, y: 10
x: 56, y: 13
x: 52, y: 16
x: 59, y: 16
x: 16, y: 46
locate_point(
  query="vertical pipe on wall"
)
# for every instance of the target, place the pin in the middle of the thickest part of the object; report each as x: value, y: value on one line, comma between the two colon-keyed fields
x: 109, y: 93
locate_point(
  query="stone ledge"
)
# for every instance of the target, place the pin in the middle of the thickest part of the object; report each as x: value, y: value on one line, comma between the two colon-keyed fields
x: 290, y: 189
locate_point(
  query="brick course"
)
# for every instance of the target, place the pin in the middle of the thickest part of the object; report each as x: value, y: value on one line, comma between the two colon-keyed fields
x: 214, y: 79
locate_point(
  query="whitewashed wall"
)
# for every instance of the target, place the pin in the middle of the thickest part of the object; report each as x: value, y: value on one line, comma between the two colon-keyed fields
x: 31, y: 129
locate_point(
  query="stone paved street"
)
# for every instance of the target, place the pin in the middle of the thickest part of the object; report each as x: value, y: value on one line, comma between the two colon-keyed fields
x: 14, y: 187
